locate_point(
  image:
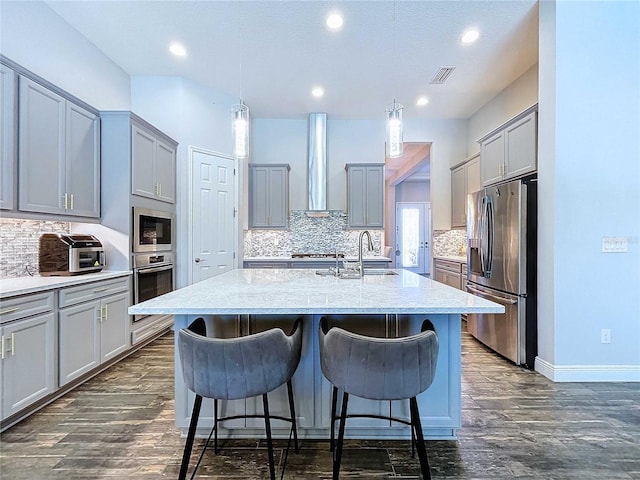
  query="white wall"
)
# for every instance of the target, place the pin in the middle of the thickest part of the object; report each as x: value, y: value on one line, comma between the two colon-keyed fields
x: 413, y: 191
x: 589, y: 180
x: 34, y: 36
x: 518, y: 96
x: 359, y: 141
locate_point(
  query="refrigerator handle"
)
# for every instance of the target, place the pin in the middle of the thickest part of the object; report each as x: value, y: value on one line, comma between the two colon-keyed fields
x: 490, y: 235
x: 481, y: 231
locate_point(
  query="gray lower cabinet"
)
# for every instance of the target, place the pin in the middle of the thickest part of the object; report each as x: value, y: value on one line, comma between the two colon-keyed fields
x: 268, y: 195
x: 8, y: 135
x: 449, y: 273
x: 153, y: 165
x: 91, y: 331
x: 58, y: 154
x: 365, y: 195
x: 510, y: 151
x: 27, y: 351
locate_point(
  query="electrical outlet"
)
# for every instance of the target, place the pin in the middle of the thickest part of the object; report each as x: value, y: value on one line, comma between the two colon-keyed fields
x: 614, y: 244
x: 605, y: 335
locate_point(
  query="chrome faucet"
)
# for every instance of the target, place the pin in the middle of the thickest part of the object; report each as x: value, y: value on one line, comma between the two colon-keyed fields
x: 370, y: 246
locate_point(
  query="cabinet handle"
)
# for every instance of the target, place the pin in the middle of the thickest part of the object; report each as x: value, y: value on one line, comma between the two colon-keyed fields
x: 71, y: 207
x: 102, y: 289
x: 159, y: 189
x: 106, y: 312
x: 13, y: 344
x: 2, y: 347
x: 65, y: 201
x: 9, y: 310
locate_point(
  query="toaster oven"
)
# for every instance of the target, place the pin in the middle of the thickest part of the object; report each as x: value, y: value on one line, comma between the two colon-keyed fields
x: 70, y: 254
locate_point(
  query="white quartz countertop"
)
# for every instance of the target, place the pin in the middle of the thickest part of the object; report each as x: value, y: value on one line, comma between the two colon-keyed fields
x: 10, y: 287
x: 452, y: 258
x: 300, y: 291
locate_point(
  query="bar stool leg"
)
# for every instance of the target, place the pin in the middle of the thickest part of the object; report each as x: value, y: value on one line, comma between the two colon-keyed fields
x: 195, y: 413
x: 338, y: 453
x: 334, y: 401
x: 267, y: 426
x: 422, y: 450
x: 215, y: 426
x: 292, y: 410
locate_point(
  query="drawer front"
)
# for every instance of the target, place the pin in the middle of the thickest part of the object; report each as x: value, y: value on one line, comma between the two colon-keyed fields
x: 20, y: 307
x: 266, y: 264
x: 453, y: 267
x: 90, y: 291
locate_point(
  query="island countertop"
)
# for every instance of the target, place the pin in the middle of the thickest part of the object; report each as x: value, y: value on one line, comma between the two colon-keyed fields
x: 300, y: 291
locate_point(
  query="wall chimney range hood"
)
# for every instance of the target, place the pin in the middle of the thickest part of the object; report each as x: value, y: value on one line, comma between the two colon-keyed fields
x: 317, y: 165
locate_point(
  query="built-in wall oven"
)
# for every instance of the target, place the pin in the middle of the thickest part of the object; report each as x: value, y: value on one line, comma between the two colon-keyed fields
x: 153, y: 231
x: 153, y: 275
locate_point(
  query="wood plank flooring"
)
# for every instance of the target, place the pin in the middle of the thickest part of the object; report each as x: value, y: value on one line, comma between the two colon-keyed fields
x: 516, y: 424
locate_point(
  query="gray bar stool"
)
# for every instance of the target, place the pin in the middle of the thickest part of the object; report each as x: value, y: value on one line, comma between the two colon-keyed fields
x: 235, y: 368
x: 378, y: 369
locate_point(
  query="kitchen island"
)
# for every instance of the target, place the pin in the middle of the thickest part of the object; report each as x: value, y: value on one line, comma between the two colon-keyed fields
x: 387, y: 305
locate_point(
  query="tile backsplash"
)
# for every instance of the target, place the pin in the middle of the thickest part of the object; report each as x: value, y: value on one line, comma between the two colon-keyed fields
x: 450, y: 243
x: 19, y: 243
x: 308, y: 234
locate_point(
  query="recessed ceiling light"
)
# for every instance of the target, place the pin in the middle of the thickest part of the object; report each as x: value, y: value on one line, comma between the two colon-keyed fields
x: 422, y: 100
x: 178, y: 49
x: 470, y: 36
x: 317, y: 92
x: 334, y: 21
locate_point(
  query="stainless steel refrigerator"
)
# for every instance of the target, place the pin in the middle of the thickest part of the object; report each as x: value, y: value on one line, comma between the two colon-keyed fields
x: 501, y: 267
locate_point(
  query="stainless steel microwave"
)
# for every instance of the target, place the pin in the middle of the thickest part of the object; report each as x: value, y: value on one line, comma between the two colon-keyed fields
x: 153, y: 230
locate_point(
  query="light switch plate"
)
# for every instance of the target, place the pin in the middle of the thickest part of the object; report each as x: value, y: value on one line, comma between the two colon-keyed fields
x: 614, y: 244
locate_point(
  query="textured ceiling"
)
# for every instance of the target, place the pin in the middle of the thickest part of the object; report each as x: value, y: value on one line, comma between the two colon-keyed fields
x: 274, y: 52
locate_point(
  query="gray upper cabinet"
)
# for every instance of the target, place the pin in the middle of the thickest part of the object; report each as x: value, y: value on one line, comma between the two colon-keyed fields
x: 511, y: 150
x: 8, y: 132
x: 365, y: 195
x: 465, y: 179
x: 268, y: 195
x: 59, y: 154
x: 153, y: 165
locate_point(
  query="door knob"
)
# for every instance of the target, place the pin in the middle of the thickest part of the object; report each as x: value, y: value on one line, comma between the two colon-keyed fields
x: 197, y: 260
x: 397, y: 253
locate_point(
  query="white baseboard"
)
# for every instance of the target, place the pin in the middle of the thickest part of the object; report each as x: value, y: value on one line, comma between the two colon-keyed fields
x: 588, y: 373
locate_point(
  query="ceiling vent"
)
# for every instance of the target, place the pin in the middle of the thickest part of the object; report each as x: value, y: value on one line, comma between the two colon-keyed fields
x: 442, y: 75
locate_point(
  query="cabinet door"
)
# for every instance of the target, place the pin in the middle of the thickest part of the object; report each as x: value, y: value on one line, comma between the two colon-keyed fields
x: 458, y: 197
x: 375, y: 197
x: 41, y: 152
x: 82, y: 162
x: 472, y: 175
x: 165, y: 168
x: 278, y: 187
x: 356, y: 188
x: 259, y: 197
x: 143, y: 174
x: 8, y: 132
x: 114, y: 326
x: 79, y: 340
x: 492, y: 159
x: 521, y: 147
x: 28, y: 366
x: 365, y: 195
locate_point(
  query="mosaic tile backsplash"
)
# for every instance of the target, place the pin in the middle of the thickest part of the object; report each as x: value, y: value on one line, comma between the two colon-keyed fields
x: 19, y: 240
x: 309, y: 235
x: 450, y: 243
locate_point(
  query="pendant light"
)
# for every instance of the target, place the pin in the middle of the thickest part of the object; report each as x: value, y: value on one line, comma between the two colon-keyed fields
x: 394, y: 112
x: 240, y: 121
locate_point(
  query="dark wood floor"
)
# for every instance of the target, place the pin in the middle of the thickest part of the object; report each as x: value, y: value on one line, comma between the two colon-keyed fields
x: 516, y: 424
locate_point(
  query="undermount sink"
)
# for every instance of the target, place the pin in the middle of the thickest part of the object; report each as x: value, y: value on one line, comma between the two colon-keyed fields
x: 353, y: 274
x: 379, y: 271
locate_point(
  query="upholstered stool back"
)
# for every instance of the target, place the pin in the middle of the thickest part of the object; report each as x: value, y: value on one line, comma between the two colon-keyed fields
x: 378, y: 368
x: 233, y: 368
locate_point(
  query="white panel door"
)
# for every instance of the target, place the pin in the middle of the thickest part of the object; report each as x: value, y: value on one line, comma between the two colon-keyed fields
x: 212, y: 221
